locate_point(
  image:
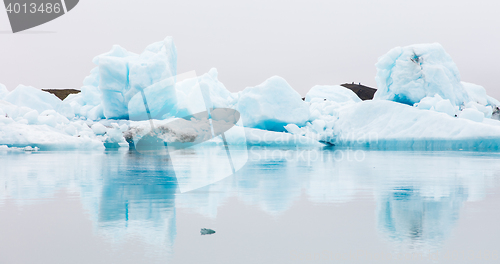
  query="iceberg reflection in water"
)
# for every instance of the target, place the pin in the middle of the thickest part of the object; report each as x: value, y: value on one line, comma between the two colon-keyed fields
x: 127, y: 196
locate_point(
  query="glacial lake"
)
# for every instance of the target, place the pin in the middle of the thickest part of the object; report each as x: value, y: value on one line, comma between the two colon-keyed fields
x: 283, y: 206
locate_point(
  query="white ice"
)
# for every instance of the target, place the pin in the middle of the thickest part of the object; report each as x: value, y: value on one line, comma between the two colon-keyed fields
x: 3, y: 91
x: 386, y: 124
x: 335, y: 93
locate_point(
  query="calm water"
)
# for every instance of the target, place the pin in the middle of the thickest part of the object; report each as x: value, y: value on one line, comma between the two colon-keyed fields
x: 283, y: 206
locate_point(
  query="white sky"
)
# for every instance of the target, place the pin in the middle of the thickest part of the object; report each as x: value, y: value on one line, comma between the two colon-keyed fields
x: 306, y: 42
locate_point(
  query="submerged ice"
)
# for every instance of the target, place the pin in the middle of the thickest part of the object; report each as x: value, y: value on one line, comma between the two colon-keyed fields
x: 421, y: 103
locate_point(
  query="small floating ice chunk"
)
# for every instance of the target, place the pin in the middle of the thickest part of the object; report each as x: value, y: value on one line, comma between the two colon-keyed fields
x: 207, y: 231
x: 31, y: 149
x: 26, y: 149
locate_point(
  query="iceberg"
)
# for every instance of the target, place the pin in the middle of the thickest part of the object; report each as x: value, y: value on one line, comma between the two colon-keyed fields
x: 272, y: 105
x: 33, y: 98
x: 173, y: 97
x: 421, y: 103
x: 478, y: 101
x: 476, y: 93
x: 21, y: 126
x: 325, y: 103
x: 472, y: 114
x: 3, y: 91
x: 46, y: 138
x: 408, y: 74
x: 335, y: 93
x: 161, y: 98
x: 390, y: 125
x: 258, y: 137
x: 120, y: 75
x: 4, y: 148
x: 438, y: 104
x: 220, y: 97
x: 123, y: 74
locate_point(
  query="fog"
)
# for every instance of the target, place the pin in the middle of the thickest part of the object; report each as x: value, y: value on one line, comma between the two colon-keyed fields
x: 306, y: 42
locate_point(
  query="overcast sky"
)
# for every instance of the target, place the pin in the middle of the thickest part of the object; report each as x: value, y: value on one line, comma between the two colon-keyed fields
x: 306, y: 42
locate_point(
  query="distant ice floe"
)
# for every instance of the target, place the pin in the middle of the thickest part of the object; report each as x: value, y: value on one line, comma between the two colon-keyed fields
x: 431, y: 107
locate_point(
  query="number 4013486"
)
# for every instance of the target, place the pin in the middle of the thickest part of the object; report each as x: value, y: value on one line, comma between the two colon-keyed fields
x: 34, y: 8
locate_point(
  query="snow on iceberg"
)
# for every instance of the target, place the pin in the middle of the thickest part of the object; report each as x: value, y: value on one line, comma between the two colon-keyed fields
x: 87, y: 103
x: 21, y: 126
x: 3, y: 91
x: 335, y: 93
x: 27, y: 96
x: 408, y: 74
x: 479, y: 101
x: 425, y: 76
x: 45, y: 137
x: 472, y: 114
x: 325, y: 103
x: 272, y: 105
x: 438, y: 104
x: 389, y: 125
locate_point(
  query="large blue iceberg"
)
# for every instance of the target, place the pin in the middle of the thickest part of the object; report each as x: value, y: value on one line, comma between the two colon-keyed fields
x: 408, y: 74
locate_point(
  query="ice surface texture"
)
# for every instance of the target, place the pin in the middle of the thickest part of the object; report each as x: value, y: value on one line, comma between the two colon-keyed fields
x: 3, y: 91
x: 207, y: 231
x: 123, y: 74
x: 335, y: 93
x: 272, y: 105
x: 390, y: 125
x: 407, y: 75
